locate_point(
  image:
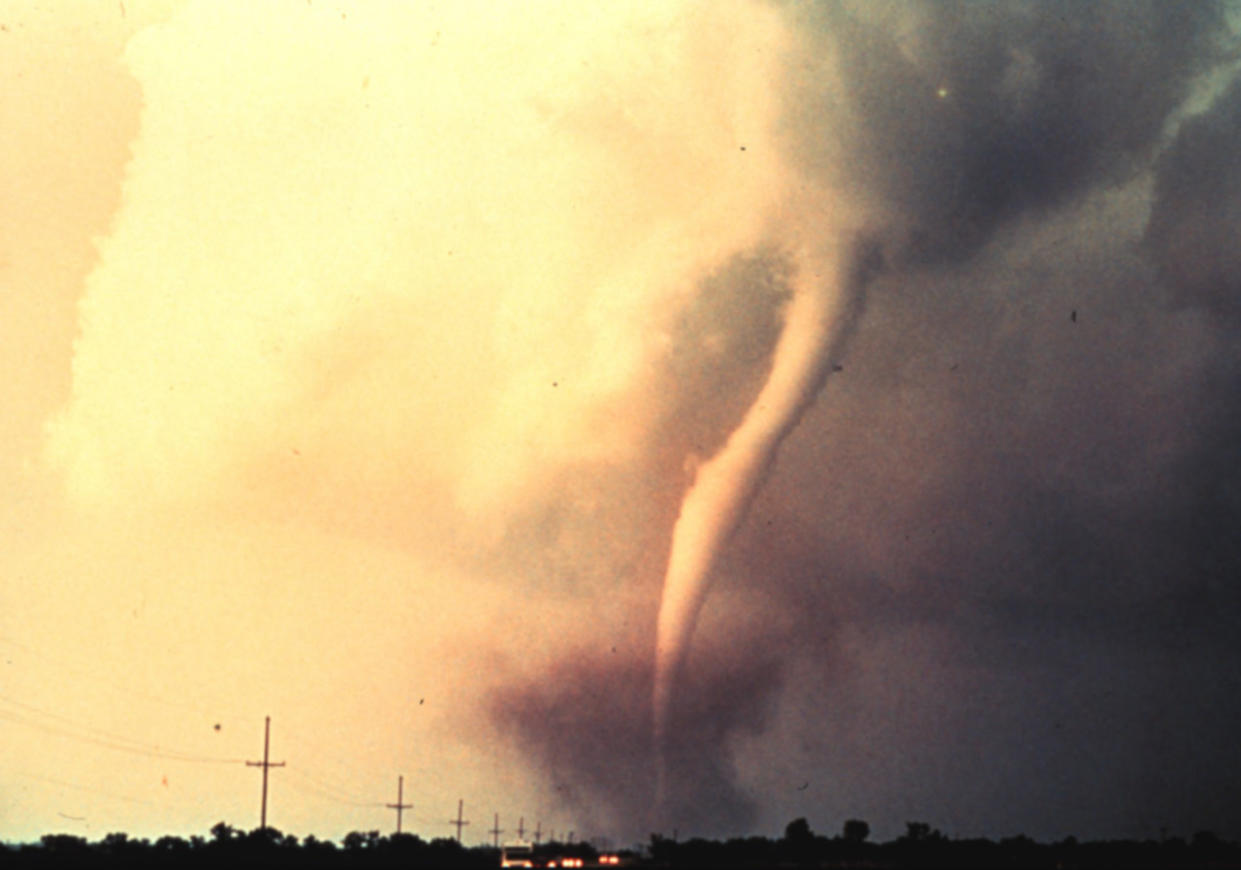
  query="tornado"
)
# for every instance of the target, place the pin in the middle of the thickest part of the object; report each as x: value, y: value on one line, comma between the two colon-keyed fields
x: 827, y: 291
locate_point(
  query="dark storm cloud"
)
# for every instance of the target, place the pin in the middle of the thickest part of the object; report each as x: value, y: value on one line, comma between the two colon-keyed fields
x: 1032, y: 459
x: 1026, y: 480
x: 1019, y: 500
x: 1034, y: 544
x: 958, y: 119
x: 960, y: 115
x: 1197, y: 210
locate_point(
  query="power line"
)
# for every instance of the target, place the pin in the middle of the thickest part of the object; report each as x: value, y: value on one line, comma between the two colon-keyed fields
x: 89, y: 735
x: 336, y: 776
x: 320, y: 783
x: 84, y: 788
x: 98, y: 737
x: 94, y: 680
x: 321, y: 788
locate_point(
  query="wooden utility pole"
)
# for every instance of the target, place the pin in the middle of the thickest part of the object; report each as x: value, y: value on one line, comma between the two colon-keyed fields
x: 496, y: 832
x: 458, y: 821
x: 265, y: 764
x: 399, y: 806
x: 521, y: 828
x: 538, y: 833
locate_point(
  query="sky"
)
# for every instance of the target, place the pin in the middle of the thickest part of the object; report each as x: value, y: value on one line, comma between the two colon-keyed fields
x: 676, y: 416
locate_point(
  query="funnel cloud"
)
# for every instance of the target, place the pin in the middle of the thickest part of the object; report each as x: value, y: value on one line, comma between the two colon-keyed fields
x: 826, y: 294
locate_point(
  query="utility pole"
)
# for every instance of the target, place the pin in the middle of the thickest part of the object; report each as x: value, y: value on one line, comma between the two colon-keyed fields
x: 265, y: 764
x: 521, y: 828
x: 538, y: 833
x: 399, y: 806
x: 458, y: 821
x: 570, y: 837
x: 496, y: 832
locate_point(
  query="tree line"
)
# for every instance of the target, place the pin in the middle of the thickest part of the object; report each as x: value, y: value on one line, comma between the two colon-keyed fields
x: 921, y: 846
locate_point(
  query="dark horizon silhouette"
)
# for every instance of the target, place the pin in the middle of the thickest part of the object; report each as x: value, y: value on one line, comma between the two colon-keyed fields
x: 920, y: 845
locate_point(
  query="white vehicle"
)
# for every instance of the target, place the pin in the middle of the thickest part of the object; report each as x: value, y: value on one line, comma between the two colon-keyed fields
x: 518, y: 854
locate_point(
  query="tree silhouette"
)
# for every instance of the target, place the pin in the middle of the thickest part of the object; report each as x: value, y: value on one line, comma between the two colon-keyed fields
x: 798, y: 832
x: 223, y: 833
x: 355, y: 840
x: 920, y: 832
x: 855, y: 831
